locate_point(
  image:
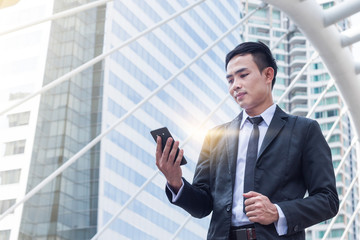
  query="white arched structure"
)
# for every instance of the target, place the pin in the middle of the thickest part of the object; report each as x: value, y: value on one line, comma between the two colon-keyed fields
x: 319, y: 27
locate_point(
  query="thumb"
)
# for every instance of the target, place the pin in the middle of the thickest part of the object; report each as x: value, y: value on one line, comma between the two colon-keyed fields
x: 251, y: 194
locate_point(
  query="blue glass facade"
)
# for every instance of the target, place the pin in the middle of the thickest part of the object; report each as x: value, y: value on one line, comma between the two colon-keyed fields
x: 135, y: 71
x: 69, y: 118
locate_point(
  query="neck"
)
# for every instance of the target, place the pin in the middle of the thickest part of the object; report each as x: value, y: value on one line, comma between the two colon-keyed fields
x: 258, y: 111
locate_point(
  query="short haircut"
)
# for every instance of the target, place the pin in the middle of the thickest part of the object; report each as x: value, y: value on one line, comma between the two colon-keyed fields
x: 261, y: 54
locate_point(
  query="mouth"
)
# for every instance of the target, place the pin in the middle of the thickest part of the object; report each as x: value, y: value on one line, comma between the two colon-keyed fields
x: 239, y: 96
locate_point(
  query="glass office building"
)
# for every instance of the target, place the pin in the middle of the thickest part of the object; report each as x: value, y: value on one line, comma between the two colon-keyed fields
x: 69, y: 117
x: 22, y: 64
x: 131, y: 75
x: 178, y: 68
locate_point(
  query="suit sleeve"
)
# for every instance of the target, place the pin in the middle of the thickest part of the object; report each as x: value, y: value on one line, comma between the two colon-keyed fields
x: 196, y: 198
x: 322, y: 201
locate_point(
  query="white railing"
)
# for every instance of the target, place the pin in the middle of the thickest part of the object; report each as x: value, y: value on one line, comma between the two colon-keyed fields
x: 97, y: 59
x: 56, y: 16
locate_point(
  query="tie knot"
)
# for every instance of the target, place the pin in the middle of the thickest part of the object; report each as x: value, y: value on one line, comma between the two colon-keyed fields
x: 255, y: 120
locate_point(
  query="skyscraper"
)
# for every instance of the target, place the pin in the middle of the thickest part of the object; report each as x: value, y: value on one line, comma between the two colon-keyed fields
x: 22, y: 64
x: 193, y: 91
x: 69, y: 117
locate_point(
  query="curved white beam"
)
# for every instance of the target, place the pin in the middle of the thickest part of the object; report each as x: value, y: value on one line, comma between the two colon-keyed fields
x: 327, y: 42
x: 350, y: 36
x: 340, y: 11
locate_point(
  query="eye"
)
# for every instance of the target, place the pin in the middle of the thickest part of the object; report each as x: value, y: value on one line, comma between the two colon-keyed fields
x: 244, y: 75
x: 230, y: 81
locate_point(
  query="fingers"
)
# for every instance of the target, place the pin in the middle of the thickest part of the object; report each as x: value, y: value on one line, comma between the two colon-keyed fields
x: 167, y: 148
x: 251, y: 197
x: 172, y: 154
x: 260, y: 209
x: 158, y: 152
x: 179, y: 158
x: 166, y: 164
x: 169, y: 152
x: 251, y: 194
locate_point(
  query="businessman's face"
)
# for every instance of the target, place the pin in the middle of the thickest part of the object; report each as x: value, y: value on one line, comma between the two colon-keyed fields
x: 250, y: 88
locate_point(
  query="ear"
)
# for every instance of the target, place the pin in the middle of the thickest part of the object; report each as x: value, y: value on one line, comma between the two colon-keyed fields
x: 269, y: 74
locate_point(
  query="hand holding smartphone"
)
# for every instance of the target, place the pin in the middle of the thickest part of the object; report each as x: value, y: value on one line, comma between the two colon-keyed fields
x: 165, y: 134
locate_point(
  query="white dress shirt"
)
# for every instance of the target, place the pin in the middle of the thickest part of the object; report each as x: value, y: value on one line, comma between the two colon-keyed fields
x: 238, y: 216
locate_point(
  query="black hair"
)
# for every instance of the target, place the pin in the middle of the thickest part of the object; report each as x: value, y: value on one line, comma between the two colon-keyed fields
x: 260, y: 52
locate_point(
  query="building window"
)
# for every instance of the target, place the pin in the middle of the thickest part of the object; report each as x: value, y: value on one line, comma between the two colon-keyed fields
x: 5, y: 205
x: 332, y: 100
x: 278, y: 92
x: 339, y: 190
x: 18, y: 119
x: 278, y: 33
x: 276, y: 14
x: 315, y: 78
x: 10, y: 176
x: 328, y: 101
x: 339, y: 178
x: 321, y: 234
x: 281, y: 69
x: 281, y: 46
x: 280, y: 57
x: 340, y: 218
x: 280, y: 80
x: 316, y: 66
x: 15, y: 147
x: 328, y: 5
x: 336, y: 233
x: 322, y: 77
x: 335, y: 151
x: 5, y: 234
x: 259, y: 31
x: 336, y: 163
x: 332, y: 113
x: 318, y: 90
x: 318, y: 114
x: 334, y: 138
x: 332, y: 89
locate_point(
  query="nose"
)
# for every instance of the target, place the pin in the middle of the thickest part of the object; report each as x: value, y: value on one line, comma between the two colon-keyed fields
x: 236, y: 85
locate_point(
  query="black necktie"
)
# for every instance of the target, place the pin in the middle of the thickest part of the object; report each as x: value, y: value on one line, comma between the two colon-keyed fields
x: 251, y: 155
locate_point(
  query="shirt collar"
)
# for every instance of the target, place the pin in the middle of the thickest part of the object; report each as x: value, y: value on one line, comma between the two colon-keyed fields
x: 267, y: 115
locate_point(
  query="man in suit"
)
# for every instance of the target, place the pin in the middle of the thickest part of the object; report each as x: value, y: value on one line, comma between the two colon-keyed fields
x: 256, y: 194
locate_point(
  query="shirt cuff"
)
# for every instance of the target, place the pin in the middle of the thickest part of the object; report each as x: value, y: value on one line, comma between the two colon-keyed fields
x: 281, y: 224
x: 175, y: 196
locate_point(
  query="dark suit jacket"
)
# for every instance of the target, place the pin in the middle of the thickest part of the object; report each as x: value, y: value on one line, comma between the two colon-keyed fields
x: 294, y: 158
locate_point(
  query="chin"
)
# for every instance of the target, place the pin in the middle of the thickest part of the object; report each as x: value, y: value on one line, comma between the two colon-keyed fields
x: 242, y: 105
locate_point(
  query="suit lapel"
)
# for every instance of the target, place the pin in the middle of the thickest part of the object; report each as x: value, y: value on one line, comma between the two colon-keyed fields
x: 232, y: 143
x: 277, y: 123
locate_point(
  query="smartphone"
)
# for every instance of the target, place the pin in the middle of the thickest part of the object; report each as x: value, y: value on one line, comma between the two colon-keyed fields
x: 165, y: 134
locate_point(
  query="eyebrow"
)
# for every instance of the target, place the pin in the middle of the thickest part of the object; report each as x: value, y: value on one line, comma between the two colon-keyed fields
x: 237, y: 71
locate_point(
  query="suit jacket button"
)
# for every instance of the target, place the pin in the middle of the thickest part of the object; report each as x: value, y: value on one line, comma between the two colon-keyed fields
x: 228, y: 208
x: 296, y: 228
